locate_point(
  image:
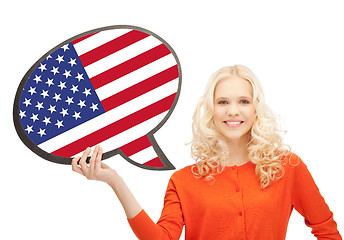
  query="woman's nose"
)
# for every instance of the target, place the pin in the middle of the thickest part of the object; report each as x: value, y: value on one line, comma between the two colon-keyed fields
x: 232, y: 110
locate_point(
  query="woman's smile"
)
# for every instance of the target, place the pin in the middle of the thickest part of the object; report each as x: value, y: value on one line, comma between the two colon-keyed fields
x: 234, y: 112
x: 233, y: 123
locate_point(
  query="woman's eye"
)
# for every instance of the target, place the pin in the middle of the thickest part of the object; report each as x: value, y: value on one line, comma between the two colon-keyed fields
x: 244, y: 101
x: 223, y: 102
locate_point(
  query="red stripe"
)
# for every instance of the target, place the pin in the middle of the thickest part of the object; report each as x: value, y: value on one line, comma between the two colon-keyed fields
x: 111, y: 47
x: 116, y: 127
x: 140, y: 88
x: 154, y: 163
x: 136, y: 146
x: 83, y: 38
x: 129, y: 66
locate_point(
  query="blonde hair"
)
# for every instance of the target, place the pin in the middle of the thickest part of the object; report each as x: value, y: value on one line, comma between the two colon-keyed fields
x: 265, y: 147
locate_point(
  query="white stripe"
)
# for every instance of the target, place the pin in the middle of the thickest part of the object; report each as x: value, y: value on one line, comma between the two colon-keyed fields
x: 130, y: 135
x: 98, y: 39
x: 110, y: 117
x: 144, y: 155
x: 121, y: 56
x: 135, y: 77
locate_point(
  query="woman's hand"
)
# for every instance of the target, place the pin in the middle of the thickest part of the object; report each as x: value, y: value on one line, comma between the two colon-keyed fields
x: 96, y: 170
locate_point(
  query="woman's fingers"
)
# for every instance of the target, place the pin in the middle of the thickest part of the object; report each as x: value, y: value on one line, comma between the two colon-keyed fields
x: 99, y: 158
x: 75, y: 167
x: 83, y: 163
x: 92, y: 160
x: 92, y: 170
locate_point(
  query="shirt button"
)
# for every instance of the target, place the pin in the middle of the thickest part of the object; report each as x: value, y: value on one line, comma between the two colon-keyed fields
x: 237, y: 189
x: 234, y: 167
x: 240, y: 213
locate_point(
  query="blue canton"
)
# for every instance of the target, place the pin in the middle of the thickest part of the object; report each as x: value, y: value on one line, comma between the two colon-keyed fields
x: 57, y: 96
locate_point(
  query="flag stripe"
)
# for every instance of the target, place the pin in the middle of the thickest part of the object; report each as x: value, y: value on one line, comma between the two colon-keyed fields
x: 116, y: 127
x: 144, y: 155
x: 129, y: 66
x: 112, y: 116
x: 135, y: 146
x: 111, y: 47
x: 121, y: 56
x: 154, y: 163
x: 135, y: 77
x: 97, y: 40
x: 132, y: 133
x: 140, y: 88
x: 83, y: 38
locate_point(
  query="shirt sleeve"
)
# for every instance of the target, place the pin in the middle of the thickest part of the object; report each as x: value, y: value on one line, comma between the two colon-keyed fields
x: 170, y: 224
x: 308, y: 201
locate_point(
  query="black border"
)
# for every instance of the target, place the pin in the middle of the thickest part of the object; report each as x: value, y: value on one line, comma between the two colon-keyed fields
x: 63, y: 160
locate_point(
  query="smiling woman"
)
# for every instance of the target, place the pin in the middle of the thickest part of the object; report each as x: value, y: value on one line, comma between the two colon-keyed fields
x: 234, y: 112
x: 232, y: 124
x: 256, y: 183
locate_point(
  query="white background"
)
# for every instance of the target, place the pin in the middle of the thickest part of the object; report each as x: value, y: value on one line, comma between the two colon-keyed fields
x: 296, y: 48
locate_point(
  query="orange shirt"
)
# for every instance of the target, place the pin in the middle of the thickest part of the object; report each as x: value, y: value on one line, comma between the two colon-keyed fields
x: 235, y: 207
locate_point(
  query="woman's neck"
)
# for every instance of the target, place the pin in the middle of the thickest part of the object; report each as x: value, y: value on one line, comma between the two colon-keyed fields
x: 238, y: 153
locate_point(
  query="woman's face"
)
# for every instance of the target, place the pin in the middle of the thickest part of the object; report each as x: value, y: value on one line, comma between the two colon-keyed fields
x: 234, y: 112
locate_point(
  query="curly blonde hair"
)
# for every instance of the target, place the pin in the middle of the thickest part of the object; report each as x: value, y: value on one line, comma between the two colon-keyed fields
x: 265, y: 146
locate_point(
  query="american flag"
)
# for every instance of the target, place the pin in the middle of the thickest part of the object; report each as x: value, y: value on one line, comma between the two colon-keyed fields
x: 110, y: 88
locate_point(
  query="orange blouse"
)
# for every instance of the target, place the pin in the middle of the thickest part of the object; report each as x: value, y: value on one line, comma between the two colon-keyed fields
x: 235, y: 207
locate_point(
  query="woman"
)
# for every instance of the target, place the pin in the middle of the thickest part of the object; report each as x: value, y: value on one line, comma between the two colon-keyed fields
x: 245, y: 182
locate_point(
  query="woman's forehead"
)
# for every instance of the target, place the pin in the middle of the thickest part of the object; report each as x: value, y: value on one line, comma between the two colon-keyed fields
x: 233, y: 87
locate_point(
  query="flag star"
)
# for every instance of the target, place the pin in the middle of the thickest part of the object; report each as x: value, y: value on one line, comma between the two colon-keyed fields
x: 34, y: 117
x: 72, y: 62
x: 50, y: 82
x: 55, y: 70
x: 32, y: 90
x: 80, y: 77
x: 64, y: 112
x: 82, y: 103
x: 76, y: 115
x: 69, y: 100
x: 65, y: 47
x: 22, y: 114
x: 59, y: 58
x: 28, y: 129
x: 67, y: 73
x: 57, y: 97
x: 39, y: 105
x: 87, y: 92
x: 42, y: 67
x: 59, y: 124
x: 41, y: 132
x: 52, y: 109
x: 62, y: 85
x: 74, y: 88
x: 45, y: 93
x: 48, y: 57
x: 46, y: 121
x: 37, y: 79
x: 27, y: 102
x: 94, y: 107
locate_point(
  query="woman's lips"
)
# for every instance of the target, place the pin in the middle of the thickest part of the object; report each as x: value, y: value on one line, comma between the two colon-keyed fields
x: 233, y: 123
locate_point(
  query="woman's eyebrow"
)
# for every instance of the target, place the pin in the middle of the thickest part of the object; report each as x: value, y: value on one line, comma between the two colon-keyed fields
x: 239, y: 97
x: 245, y: 97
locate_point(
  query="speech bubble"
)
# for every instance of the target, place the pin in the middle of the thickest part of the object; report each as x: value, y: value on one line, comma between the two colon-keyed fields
x: 113, y: 86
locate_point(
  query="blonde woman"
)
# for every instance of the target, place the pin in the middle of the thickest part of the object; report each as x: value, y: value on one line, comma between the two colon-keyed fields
x: 245, y: 181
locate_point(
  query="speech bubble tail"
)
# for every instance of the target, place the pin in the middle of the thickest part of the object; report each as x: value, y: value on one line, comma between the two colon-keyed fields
x: 144, y: 152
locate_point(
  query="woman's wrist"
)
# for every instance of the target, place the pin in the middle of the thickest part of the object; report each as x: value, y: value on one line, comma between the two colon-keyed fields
x: 114, y: 181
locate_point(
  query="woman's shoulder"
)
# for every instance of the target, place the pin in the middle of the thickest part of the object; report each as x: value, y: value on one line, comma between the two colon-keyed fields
x: 290, y: 159
x: 185, y: 171
x: 184, y: 174
x: 293, y: 164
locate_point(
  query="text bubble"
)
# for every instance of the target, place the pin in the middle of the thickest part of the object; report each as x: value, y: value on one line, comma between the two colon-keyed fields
x: 112, y: 86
